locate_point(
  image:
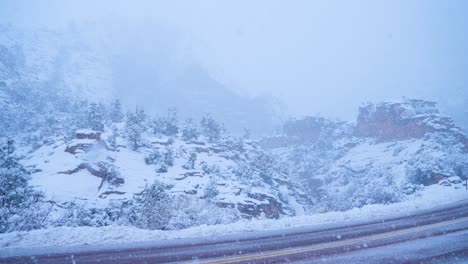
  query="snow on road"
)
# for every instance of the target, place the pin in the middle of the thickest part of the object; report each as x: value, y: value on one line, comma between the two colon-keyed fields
x: 37, y: 240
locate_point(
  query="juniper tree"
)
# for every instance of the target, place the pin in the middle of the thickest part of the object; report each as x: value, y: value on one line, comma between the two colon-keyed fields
x: 190, y: 165
x: 134, y: 127
x: 211, y: 128
x: 190, y: 131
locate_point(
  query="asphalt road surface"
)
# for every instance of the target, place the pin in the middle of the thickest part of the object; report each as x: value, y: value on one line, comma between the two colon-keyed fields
x: 434, y: 236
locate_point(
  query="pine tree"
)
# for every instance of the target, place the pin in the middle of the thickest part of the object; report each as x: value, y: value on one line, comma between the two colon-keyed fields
x: 112, y: 139
x: 152, y: 208
x: 15, y: 193
x: 134, y: 127
x: 172, y: 123
x: 211, y: 128
x: 95, y: 117
x: 116, y: 114
x: 13, y: 178
x: 190, y: 131
x: 168, y: 125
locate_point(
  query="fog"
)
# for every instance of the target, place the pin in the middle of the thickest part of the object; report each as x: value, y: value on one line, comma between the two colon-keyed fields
x: 316, y: 57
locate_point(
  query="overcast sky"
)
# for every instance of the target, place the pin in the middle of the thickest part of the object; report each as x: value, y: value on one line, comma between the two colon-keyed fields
x: 319, y: 57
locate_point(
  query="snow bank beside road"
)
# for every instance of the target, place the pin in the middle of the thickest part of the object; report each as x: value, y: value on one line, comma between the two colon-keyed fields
x: 17, y: 243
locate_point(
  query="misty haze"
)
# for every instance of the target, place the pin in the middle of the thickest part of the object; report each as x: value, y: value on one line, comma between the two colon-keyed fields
x: 233, y: 131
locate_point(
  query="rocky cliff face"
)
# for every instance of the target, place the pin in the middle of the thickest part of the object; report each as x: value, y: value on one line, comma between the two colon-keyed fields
x: 234, y: 175
x: 409, y: 119
x: 309, y: 130
x: 392, y: 150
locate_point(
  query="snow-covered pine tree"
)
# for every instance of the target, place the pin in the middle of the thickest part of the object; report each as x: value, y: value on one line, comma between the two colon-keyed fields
x: 112, y: 139
x: 95, y: 117
x: 168, y: 125
x: 172, y: 123
x: 190, y: 131
x: 116, y: 115
x: 135, y: 125
x: 16, y: 195
x: 152, y: 208
x: 211, y: 128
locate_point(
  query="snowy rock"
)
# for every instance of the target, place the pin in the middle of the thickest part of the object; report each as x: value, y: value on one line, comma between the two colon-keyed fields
x: 85, y: 141
x: 409, y: 119
x: 393, y: 150
x: 88, y: 134
x: 235, y: 176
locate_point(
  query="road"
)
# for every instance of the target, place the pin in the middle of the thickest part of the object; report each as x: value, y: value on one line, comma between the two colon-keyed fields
x: 435, y: 236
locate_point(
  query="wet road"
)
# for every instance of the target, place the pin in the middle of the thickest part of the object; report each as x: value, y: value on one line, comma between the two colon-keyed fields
x: 430, y: 237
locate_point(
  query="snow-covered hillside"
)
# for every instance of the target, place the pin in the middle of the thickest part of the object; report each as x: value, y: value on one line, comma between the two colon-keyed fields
x: 92, y: 162
x: 100, y: 64
x: 101, y: 167
x: 231, y: 174
x: 393, y: 150
x: 67, y: 60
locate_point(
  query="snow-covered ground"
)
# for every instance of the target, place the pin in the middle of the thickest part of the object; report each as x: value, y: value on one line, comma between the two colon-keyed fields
x: 17, y: 243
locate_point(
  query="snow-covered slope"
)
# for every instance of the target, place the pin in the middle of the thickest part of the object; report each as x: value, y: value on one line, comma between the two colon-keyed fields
x: 235, y: 175
x: 67, y: 60
x: 394, y: 149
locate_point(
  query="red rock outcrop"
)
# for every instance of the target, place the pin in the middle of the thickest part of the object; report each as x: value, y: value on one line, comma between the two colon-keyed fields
x: 80, y: 147
x: 84, y: 141
x: 88, y: 134
x: 387, y: 121
x: 98, y: 171
x: 268, y: 206
x: 408, y: 119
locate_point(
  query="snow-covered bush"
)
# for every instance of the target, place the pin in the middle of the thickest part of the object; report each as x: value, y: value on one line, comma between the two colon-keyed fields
x: 162, y: 159
x: 190, y: 164
x: 209, y: 168
x: 211, y: 190
x: 260, y: 167
x: 109, y: 174
x: 79, y: 214
x: 194, y: 212
x: 152, y: 208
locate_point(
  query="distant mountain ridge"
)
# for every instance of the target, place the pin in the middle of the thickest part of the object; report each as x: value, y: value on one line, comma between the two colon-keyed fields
x: 100, y: 65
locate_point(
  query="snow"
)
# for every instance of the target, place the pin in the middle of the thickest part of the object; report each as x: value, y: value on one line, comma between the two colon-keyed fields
x: 17, y: 243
